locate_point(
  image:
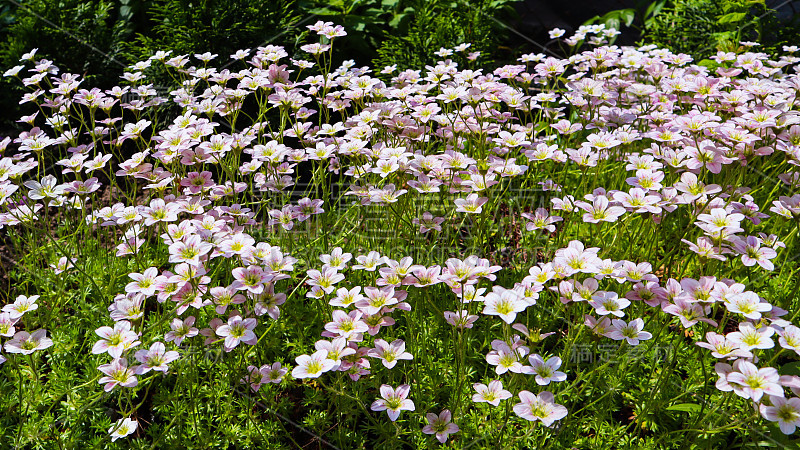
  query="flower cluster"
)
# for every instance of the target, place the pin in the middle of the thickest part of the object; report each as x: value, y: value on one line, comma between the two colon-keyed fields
x: 627, y: 165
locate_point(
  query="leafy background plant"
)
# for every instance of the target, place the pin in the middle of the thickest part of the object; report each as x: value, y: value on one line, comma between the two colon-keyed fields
x: 700, y: 28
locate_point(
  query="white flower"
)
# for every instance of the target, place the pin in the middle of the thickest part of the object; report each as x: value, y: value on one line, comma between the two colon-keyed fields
x: 46, y: 189
x: 312, y: 366
x: 123, y: 428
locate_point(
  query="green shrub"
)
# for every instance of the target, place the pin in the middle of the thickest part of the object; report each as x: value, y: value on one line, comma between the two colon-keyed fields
x: 83, y: 36
x: 439, y: 24
x: 702, y: 27
x: 216, y: 26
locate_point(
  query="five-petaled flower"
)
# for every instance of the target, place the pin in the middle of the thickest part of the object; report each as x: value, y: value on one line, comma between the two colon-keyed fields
x: 541, y: 407
x: 440, y: 425
x: 393, y: 401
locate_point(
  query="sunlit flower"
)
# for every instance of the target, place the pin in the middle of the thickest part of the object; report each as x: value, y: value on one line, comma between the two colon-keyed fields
x: 393, y: 401
x: 312, y: 366
x: 27, y: 343
x: 491, y: 394
x: 545, y: 371
x: 631, y: 332
x: 541, y: 407
x: 123, y: 428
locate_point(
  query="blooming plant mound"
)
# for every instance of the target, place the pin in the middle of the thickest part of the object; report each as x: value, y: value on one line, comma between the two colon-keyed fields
x: 597, y: 251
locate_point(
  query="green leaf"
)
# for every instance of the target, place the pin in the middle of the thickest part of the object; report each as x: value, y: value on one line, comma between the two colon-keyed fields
x: 654, y: 9
x: 402, y: 18
x: 792, y: 368
x: 732, y: 17
x: 612, y: 23
x: 709, y: 63
x: 685, y: 407
x: 324, y: 12
x: 497, y: 4
x: 627, y: 16
x: 396, y: 20
x: 777, y: 437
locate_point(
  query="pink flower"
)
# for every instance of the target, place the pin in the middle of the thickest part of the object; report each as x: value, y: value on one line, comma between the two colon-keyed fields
x: 541, y: 407
x: 159, y: 211
x: 491, y: 394
x: 189, y: 250
x: 749, y: 381
x: 631, y: 332
x: 694, y: 189
x: 577, y: 259
x: 273, y: 373
x: 238, y: 330
x: 638, y: 201
x: 344, y: 297
x: 428, y: 222
x: 393, y: 401
x: 784, y: 411
x: 790, y: 338
x: 461, y: 319
x: 283, y: 217
x: 688, y: 313
x: 472, y: 204
x: 145, y: 283
x: 325, y: 279
x: 156, y: 358
x: 369, y: 262
x: 180, y: 330
x: 197, y: 182
x: 425, y: 184
x: 749, y: 337
x: 21, y: 305
x: 307, y: 207
x: 424, y: 276
x: 600, y: 211
x: 337, y: 259
x: 27, y: 343
x: 606, y: 303
x: 458, y: 271
x: 541, y: 220
x: 251, y: 279
x: 440, y: 425
x: 115, y: 340
x: 752, y: 252
x: 389, y: 354
x: 600, y: 327
x: 376, y: 321
x: 62, y: 264
x: 719, y: 219
x: 545, y: 371
x: 223, y: 297
x: 7, y: 324
x: 748, y: 304
x: 376, y: 299
x: 346, y: 324
x: 505, y: 358
x: 705, y: 248
x: 117, y: 374
x: 721, y: 347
